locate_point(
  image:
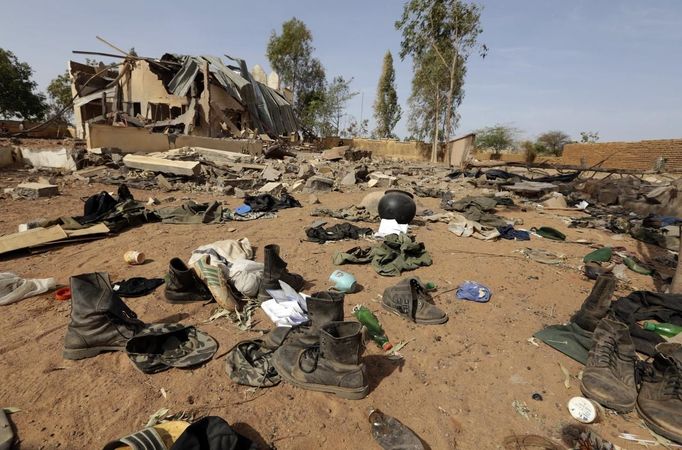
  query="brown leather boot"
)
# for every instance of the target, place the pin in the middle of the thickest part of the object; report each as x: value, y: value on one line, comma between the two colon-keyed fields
x: 275, y: 270
x: 410, y: 300
x: 332, y: 366
x: 609, y: 375
x: 659, y: 402
x: 597, y: 304
x: 323, y: 307
x: 100, y: 321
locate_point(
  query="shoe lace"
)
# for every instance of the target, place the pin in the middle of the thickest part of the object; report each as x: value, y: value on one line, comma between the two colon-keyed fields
x: 310, y: 355
x: 605, y: 353
x: 673, y: 384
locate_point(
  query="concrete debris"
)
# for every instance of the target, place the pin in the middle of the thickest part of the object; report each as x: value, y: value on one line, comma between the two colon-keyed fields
x: 349, y: 179
x: 313, y: 199
x: 306, y: 171
x: 187, y: 168
x: 381, y: 180
x: 319, y: 183
x: 270, y: 174
x: 271, y: 188
x: 164, y: 184
x: 36, y: 190
x: 336, y: 153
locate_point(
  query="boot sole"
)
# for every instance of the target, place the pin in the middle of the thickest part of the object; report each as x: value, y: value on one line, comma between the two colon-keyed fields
x: 422, y: 322
x: 82, y: 353
x: 347, y: 393
x: 618, y: 408
x: 658, y: 430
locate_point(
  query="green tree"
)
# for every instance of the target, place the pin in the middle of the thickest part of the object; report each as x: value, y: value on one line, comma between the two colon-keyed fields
x: 589, y: 137
x: 387, y: 111
x: 18, y: 96
x: 290, y: 54
x: 450, y: 29
x: 497, y: 138
x: 59, y: 95
x: 337, y: 97
x: 554, y: 141
x: 426, y: 119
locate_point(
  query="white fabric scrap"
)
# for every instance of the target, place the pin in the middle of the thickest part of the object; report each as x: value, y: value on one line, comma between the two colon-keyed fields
x: 14, y: 288
x: 390, y: 226
x: 287, y: 307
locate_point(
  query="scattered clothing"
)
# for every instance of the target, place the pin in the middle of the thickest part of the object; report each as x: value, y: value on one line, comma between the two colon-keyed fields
x: 212, y: 433
x: 191, y: 212
x: 396, y: 254
x: 471, y: 290
x: 336, y: 233
x: 160, y: 346
x: 13, y: 288
x: 569, y: 339
x: 549, y: 233
x: 508, y: 232
x: 249, y: 363
x: 633, y: 265
x: 390, y: 226
x: 351, y: 214
x: 234, y: 259
x: 543, y: 256
x: 137, y: 286
x: 399, y: 253
x: 268, y: 203
x: 463, y: 227
x: 476, y: 209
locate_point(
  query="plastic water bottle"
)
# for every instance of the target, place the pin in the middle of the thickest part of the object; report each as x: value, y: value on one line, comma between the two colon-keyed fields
x: 370, y: 321
x: 391, y: 434
x: 664, y: 329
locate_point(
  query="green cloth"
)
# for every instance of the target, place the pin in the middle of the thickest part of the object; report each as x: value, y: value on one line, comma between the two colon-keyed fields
x: 192, y: 213
x: 603, y: 254
x: 569, y: 339
x: 550, y: 233
x: 636, y: 267
x: 398, y: 253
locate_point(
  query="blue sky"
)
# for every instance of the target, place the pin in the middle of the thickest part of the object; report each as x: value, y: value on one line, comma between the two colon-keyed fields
x: 604, y: 65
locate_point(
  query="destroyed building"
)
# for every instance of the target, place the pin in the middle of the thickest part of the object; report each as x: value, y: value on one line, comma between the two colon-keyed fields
x: 184, y: 95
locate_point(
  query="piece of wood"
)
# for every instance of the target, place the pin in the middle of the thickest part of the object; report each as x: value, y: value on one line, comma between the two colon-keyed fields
x: 30, y: 238
x: 100, y: 228
x: 186, y: 168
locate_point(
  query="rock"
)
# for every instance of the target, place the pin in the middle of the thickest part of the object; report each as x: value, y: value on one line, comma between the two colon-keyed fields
x: 556, y: 200
x: 151, y: 201
x: 228, y: 190
x: 313, y: 200
x: 324, y: 170
x: 336, y: 153
x: 297, y: 186
x: 164, y: 184
x: 371, y: 202
x: 349, y: 179
x: 271, y: 188
x: 239, y: 193
x: 46, y: 180
x: 373, y: 182
x: 381, y: 180
x: 318, y: 183
x: 270, y: 174
x: 36, y: 190
x: 306, y: 171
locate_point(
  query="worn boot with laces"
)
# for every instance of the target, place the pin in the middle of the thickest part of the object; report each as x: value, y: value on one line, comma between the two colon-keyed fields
x: 100, y: 321
x: 275, y: 269
x: 659, y: 402
x: 323, y: 307
x: 410, y: 300
x: 332, y: 365
x: 609, y: 375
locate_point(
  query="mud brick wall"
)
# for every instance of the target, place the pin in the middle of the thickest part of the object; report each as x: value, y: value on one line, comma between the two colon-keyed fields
x: 640, y: 155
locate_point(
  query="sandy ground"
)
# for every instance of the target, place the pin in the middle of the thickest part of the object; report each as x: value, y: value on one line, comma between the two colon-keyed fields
x: 455, y: 386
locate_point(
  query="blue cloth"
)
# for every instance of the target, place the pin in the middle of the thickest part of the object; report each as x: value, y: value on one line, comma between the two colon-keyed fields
x: 242, y: 210
x: 471, y: 290
x: 508, y: 232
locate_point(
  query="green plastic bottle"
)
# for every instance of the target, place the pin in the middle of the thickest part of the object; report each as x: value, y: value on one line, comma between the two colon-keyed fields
x: 370, y: 321
x: 664, y: 329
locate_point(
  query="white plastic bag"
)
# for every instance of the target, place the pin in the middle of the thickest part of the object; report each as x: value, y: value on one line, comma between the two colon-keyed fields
x: 14, y: 288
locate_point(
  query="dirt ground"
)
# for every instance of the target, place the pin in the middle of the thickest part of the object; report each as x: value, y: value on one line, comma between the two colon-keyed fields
x: 455, y: 386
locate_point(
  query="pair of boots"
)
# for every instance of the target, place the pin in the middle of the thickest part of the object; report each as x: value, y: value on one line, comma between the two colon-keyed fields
x: 610, y: 379
x: 204, y: 281
x: 323, y: 354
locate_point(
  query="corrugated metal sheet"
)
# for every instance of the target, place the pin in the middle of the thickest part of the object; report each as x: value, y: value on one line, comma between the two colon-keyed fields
x: 182, y: 81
